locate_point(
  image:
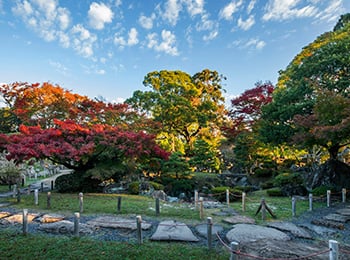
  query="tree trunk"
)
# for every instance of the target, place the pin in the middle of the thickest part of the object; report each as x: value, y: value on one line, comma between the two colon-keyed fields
x: 333, y: 152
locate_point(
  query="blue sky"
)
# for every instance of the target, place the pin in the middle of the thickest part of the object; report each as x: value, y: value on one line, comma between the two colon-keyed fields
x: 105, y: 48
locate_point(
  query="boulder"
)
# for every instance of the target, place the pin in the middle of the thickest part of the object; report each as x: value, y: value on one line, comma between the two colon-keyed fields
x: 116, y: 222
x: 202, y: 229
x: 170, y: 230
x: 246, y: 233
x: 292, y: 228
x: 64, y: 227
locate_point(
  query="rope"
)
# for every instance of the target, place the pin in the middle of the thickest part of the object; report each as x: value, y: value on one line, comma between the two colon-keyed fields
x: 344, y: 251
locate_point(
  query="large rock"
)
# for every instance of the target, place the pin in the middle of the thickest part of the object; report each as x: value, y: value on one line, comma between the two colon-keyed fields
x: 250, y: 233
x: 170, y: 230
x: 64, y: 227
x: 276, y: 249
x: 292, y: 228
x: 116, y: 222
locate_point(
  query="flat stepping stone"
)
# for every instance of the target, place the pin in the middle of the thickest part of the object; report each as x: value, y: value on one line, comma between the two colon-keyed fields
x: 49, y: 218
x: 4, y: 214
x: 322, y: 231
x: 337, y: 217
x: 344, y: 212
x: 245, y: 233
x: 18, y: 218
x: 64, y: 227
x: 116, y: 222
x: 292, y: 228
x: 202, y: 229
x: 239, y: 220
x: 170, y: 230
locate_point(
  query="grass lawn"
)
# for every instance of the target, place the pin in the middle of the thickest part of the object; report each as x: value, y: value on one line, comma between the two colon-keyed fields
x: 46, y: 247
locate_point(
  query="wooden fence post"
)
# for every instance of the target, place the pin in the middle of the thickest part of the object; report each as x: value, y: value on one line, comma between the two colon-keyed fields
x: 234, y: 248
x: 36, y: 197
x: 294, y: 201
x: 228, y: 198
x: 157, y: 207
x: 139, y: 229
x: 25, y: 222
x: 209, y: 232
x: 52, y: 185
x: 201, y: 211
x: 76, y: 223
x: 333, y: 250
x: 328, y: 198
x: 263, y: 209
x: 49, y: 200
x: 243, y: 201
x: 14, y: 190
x: 343, y: 191
x: 196, y: 199
x: 81, y: 202
x: 42, y: 187
x: 18, y: 194
x: 310, y: 202
x: 119, y: 204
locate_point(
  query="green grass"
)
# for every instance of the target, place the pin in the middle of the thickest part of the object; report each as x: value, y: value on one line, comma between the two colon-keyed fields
x: 18, y: 246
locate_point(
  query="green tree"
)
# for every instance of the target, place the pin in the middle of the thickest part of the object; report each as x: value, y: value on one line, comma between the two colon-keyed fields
x: 322, y: 67
x: 205, y: 158
x: 185, y: 106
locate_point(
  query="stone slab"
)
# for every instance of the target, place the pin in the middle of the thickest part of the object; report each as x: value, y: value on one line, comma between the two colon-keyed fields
x: 49, y: 218
x: 344, y: 212
x: 117, y: 222
x: 239, y: 220
x: 244, y: 233
x: 292, y: 228
x: 4, y: 214
x: 64, y: 227
x: 337, y: 217
x: 18, y: 218
x: 170, y: 230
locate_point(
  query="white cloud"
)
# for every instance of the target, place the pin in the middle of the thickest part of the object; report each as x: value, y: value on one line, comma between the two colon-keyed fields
x: 228, y: 11
x: 288, y: 9
x: 194, y: 7
x: 332, y: 12
x: 118, y: 2
x: 247, y: 24
x: 147, y: 22
x: 99, y: 15
x: 83, y: 40
x: 208, y: 25
x: 255, y: 43
x: 172, y: 10
x: 132, y: 39
x: 166, y: 45
x: 251, y: 5
x: 59, y: 67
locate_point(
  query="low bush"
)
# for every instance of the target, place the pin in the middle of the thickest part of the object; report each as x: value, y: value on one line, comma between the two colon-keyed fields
x: 322, y: 190
x: 219, y: 193
x: 274, y: 192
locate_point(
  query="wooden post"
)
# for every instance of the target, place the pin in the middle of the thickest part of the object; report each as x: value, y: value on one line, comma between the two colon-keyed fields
x: 36, y: 197
x: 25, y: 222
x: 310, y: 202
x: 157, y: 207
x: 52, y: 185
x: 81, y: 202
x: 196, y: 199
x: 243, y: 201
x: 333, y: 250
x: 119, y: 204
x: 263, y: 209
x: 209, y: 232
x: 228, y: 198
x: 234, y: 248
x: 18, y: 195
x: 343, y: 192
x: 42, y: 187
x: 139, y: 229
x: 201, y: 210
x: 49, y: 200
x: 76, y: 223
x: 328, y: 198
x: 294, y: 201
x: 14, y: 191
